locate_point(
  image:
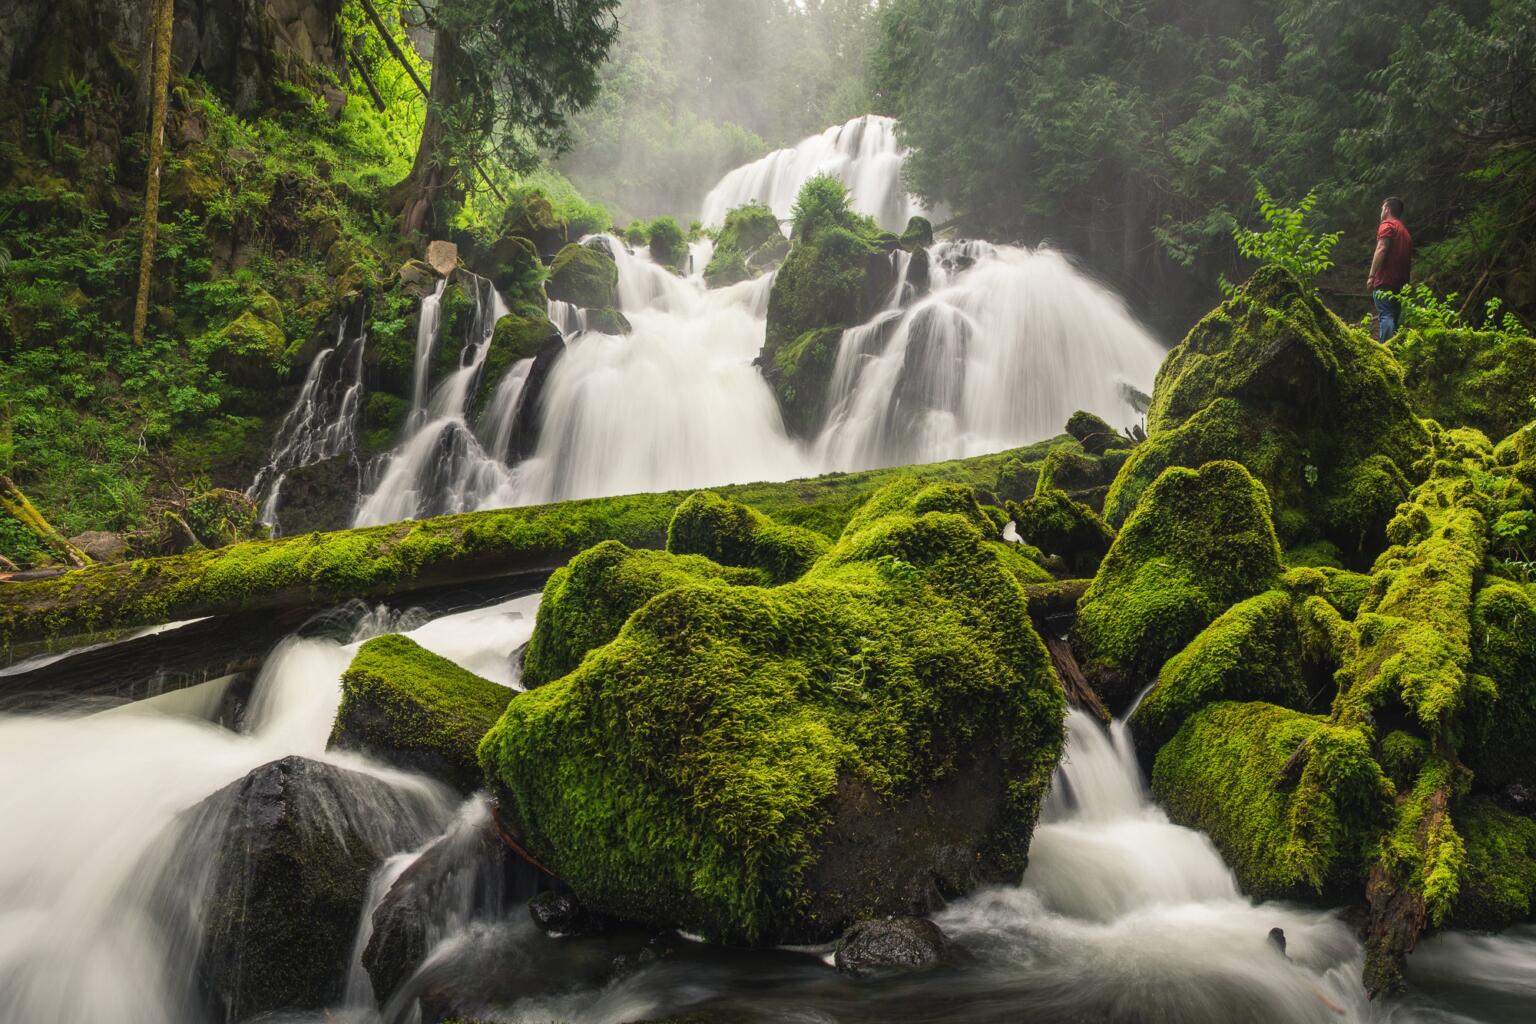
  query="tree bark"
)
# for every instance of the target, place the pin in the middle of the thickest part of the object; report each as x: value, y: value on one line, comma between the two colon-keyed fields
x: 165, y: 16
x: 433, y: 174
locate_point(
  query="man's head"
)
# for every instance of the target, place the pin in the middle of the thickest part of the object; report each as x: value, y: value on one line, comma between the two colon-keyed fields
x: 1391, y: 207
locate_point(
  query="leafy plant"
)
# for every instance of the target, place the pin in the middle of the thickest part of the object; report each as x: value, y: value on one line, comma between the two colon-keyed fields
x: 1287, y: 241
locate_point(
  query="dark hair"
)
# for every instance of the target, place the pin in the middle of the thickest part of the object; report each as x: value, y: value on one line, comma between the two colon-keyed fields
x: 1394, y: 206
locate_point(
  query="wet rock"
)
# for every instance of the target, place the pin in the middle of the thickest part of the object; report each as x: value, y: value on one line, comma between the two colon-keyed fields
x: 292, y: 846
x: 319, y: 497
x: 891, y: 944
x: 526, y: 424
x: 561, y: 913
x: 608, y: 321
x: 417, y: 278
x: 583, y: 275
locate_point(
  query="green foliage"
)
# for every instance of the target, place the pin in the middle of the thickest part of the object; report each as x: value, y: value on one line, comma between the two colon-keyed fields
x: 823, y: 202
x: 1469, y: 378
x: 1498, y: 888
x: 1287, y: 242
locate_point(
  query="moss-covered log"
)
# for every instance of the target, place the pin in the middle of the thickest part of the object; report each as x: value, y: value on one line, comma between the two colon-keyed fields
x: 374, y: 562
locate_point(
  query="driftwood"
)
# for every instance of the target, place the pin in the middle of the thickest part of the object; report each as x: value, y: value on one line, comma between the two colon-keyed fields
x: 1079, y: 693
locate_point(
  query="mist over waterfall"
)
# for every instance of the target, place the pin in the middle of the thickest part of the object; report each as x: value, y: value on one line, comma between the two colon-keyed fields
x: 863, y: 154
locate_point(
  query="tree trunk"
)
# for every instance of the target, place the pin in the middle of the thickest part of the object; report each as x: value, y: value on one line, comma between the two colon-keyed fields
x: 165, y: 17
x: 434, y: 175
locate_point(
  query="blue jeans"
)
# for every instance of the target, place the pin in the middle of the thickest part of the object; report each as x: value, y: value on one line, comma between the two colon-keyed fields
x: 1389, y: 310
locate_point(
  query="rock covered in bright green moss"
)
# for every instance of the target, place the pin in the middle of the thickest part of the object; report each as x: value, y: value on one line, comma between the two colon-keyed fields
x: 415, y: 710
x: 1464, y: 378
x: 608, y: 321
x: 1313, y: 408
x: 1199, y: 541
x: 769, y: 764
x: 746, y: 230
x: 1084, y: 477
x: 731, y: 533
x: 1500, y: 745
x: 1094, y: 434
x: 1498, y: 887
x: 1293, y: 803
x: 918, y: 234
x: 1016, y: 480
x: 1068, y: 529
x: 587, y: 602
x: 583, y: 275
x: 249, y: 350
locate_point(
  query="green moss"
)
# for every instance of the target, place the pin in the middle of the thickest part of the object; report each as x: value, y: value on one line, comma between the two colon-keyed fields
x: 918, y: 234
x: 1304, y: 832
x: 731, y: 533
x: 1500, y: 744
x: 799, y: 373
x: 1199, y: 541
x: 1059, y: 526
x: 692, y: 772
x: 587, y: 602
x: 455, y: 315
x: 608, y: 321
x: 1016, y: 480
x: 1251, y: 652
x: 517, y: 336
x: 1315, y: 554
x: 414, y: 710
x: 1462, y: 378
x: 250, y: 349
x: 383, y: 417
x: 746, y: 230
x: 1079, y: 474
x: 668, y: 246
x: 583, y: 275
x: 1094, y: 434
x: 1498, y: 886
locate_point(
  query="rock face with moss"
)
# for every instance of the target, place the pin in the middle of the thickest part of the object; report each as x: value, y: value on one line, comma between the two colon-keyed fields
x: 1067, y: 529
x: 1314, y: 409
x: 768, y: 764
x: 415, y: 710
x: 583, y: 275
x: 1199, y: 541
x: 1463, y: 378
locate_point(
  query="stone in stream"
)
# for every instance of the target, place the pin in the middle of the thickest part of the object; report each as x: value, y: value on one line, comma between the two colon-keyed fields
x: 891, y: 944
x: 292, y: 845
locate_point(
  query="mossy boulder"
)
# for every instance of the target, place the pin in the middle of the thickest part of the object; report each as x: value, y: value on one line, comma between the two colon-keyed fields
x: 1070, y: 530
x: 731, y: 533
x: 1095, y: 434
x: 1199, y: 541
x: 918, y: 234
x: 747, y: 230
x: 583, y: 275
x: 1294, y: 803
x: 514, y: 267
x: 529, y: 214
x: 415, y: 710
x: 1081, y: 475
x: 608, y: 321
x: 799, y: 373
x: 1501, y: 737
x: 1017, y: 479
x: 294, y: 844
x: 667, y: 244
x: 456, y: 314
x: 249, y: 350
x: 519, y: 335
x: 587, y: 602
x: 764, y: 765
x: 1498, y: 887
x: 384, y: 415
x: 1313, y: 408
x: 1463, y: 378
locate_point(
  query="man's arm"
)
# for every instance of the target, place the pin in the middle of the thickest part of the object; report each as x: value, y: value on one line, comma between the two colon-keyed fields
x: 1383, y: 246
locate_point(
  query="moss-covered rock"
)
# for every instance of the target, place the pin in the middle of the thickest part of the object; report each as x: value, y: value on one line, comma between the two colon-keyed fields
x: 1313, y: 408
x: 668, y: 246
x: 766, y: 765
x: 415, y: 710
x: 587, y: 602
x: 384, y: 415
x: 1295, y: 804
x: 519, y: 335
x: 799, y: 373
x: 583, y: 275
x: 1498, y: 887
x: 1462, y: 378
x: 734, y: 534
x: 608, y: 321
x: 1082, y: 476
x: 1094, y: 434
x: 514, y: 267
x: 249, y: 350
x: 918, y: 234
x: 1500, y: 746
x: 1016, y: 480
x: 1199, y: 541
x: 1070, y: 530
x: 746, y: 230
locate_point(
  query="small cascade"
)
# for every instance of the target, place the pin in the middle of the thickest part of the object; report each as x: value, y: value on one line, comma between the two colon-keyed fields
x: 863, y: 154
x: 1009, y: 343
x: 442, y: 466
x: 323, y: 421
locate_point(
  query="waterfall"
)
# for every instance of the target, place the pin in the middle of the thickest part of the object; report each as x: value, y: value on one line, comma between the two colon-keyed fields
x: 1008, y: 345
x: 323, y: 421
x: 863, y: 154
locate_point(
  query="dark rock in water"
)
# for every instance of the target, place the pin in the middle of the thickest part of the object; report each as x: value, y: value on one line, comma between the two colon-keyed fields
x: 891, y: 944
x: 319, y: 497
x: 467, y: 874
x: 561, y: 913
x: 525, y: 425
x: 293, y: 844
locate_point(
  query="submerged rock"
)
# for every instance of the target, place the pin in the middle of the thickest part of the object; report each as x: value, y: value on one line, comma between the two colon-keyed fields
x: 415, y: 710
x: 770, y: 764
x: 891, y: 944
x: 560, y: 913
x: 293, y: 846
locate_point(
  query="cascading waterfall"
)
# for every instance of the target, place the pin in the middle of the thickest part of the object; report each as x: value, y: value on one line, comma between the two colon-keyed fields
x: 863, y: 154
x: 323, y: 421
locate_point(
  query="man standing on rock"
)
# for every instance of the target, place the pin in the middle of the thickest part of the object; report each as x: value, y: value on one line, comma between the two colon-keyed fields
x: 1390, y: 267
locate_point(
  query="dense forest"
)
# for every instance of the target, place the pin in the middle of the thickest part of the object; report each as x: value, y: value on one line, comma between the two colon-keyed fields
x: 734, y: 511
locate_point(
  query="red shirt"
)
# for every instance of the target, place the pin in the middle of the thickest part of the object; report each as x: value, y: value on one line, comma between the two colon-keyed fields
x: 1393, y: 274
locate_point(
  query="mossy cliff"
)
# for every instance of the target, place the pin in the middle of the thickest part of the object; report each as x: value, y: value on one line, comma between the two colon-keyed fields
x: 768, y: 764
x: 1313, y: 408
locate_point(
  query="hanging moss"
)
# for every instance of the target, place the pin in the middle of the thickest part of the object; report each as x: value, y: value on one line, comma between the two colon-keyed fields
x: 587, y: 602
x: 1302, y: 833
x: 415, y: 710
x: 731, y: 533
x: 763, y: 765
x: 1199, y: 541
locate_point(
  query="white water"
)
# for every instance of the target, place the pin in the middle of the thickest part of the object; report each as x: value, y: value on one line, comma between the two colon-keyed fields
x: 863, y: 154
x: 90, y: 805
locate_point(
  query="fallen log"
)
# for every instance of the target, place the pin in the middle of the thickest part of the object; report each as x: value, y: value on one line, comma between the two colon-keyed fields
x: 1079, y: 693
x: 370, y: 563
x: 14, y: 502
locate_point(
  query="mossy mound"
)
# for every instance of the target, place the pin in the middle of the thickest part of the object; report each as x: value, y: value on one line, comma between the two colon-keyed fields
x: 667, y: 245
x: 1070, y: 530
x: 587, y: 602
x: 767, y: 765
x: 1501, y: 736
x: 1199, y: 541
x: 1313, y: 408
x: 583, y: 275
x: 918, y: 234
x: 1462, y: 378
x: 1498, y: 887
x: 1094, y: 434
x: 1082, y: 476
x: 747, y: 230
x: 799, y: 373
x: 518, y: 335
x: 1293, y: 803
x: 731, y: 533
x: 1016, y: 480
x: 415, y: 710
x: 608, y: 321
x: 250, y: 350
